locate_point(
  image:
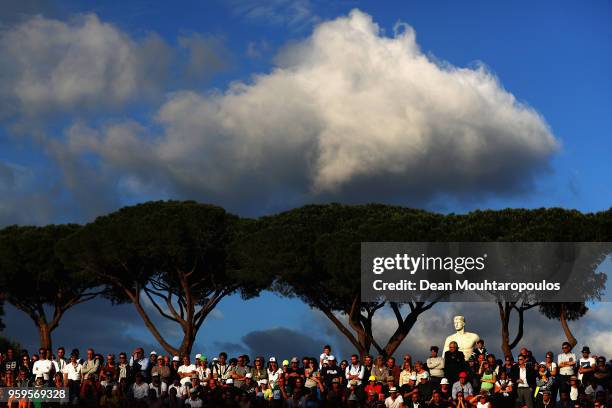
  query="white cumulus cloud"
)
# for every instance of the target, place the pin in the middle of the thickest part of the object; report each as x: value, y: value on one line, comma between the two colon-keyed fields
x: 347, y: 114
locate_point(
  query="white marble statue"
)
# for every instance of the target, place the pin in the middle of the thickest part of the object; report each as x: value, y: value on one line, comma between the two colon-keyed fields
x: 465, y: 340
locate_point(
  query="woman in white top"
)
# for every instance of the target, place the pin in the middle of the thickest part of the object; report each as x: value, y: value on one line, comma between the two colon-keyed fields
x: 483, y: 401
x: 406, y: 373
x: 203, y: 370
x: 273, y: 372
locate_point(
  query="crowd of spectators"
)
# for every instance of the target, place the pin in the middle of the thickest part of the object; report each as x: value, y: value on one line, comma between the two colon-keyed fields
x: 439, y: 381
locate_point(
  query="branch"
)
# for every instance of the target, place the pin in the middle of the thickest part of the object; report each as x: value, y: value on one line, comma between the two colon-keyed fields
x: 343, y: 329
x: 159, y: 309
x: 519, y: 334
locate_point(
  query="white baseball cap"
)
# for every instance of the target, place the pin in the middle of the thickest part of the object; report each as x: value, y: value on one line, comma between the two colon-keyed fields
x: 175, y: 358
x: 153, y: 353
x: 444, y: 381
x: 272, y: 359
x: 198, y: 356
x: 229, y: 381
x: 263, y: 381
x: 412, y: 377
x: 249, y: 375
x: 330, y: 357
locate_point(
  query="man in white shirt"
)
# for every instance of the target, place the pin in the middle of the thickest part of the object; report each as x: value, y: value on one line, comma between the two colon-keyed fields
x: 161, y: 389
x: 43, y: 367
x: 394, y: 400
x: 354, y: 371
x: 138, y: 361
x: 72, y: 377
x: 187, y: 370
x: 586, y: 366
x: 323, y: 357
x: 566, y: 363
x: 140, y: 389
x: 60, y: 361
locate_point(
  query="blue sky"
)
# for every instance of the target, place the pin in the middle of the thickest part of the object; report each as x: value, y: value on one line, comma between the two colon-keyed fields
x: 67, y: 154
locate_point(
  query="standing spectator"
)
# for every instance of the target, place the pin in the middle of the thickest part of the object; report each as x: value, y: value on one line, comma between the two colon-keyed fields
x: 26, y: 365
x: 43, y: 367
x: 239, y: 372
x: 138, y: 362
x: 380, y: 370
x: 586, y: 366
x: 59, y: 362
x: 394, y: 369
x: 323, y: 357
x: 204, y: 372
x: 454, y: 362
x: 186, y: 370
x: 479, y: 349
x: 487, y: 377
x: 405, y: 374
x: 566, y: 361
x: 123, y: 368
x: 550, y: 364
x: 109, y: 369
x: 72, y: 377
x: 435, y: 364
x: 10, y: 363
x: 354, y: 372
x: 91, y: 366
x: 294, y: 372
x: 331, y: 371
x: 152, y: 363
x: 258, y: 371
x: 368, y: 363
x: 544, y: 382
x: 220, y: 367
x: 602, y: 372
x: 508, y: 363
x: 524, y: 379
x: 274, y: 372
x: 162, y: 371
x: 174, y: 366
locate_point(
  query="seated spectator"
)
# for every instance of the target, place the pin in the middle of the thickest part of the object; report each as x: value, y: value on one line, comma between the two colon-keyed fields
x: 139, y: 389
x: 503, y: 396
x: 394, y: 400
x: 462, y: 386
x: 482, y: 400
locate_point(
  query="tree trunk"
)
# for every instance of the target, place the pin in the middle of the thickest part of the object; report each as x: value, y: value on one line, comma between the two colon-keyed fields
x: 45, y: 335
x: 568, y: 333
x: 504, y: 316
x: 186, y: 344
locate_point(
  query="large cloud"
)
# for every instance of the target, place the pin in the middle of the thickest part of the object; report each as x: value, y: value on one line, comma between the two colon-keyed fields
x: 346, y: 114
x: 52, y: 65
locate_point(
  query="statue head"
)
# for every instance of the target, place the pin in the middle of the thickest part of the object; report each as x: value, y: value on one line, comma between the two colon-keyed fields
x: 459, y: 322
